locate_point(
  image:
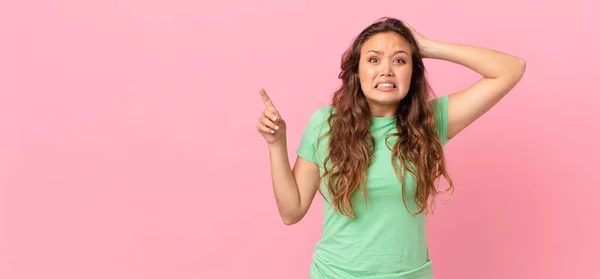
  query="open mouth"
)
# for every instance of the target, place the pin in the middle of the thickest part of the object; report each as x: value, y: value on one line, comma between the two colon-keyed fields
x: 385, y: 85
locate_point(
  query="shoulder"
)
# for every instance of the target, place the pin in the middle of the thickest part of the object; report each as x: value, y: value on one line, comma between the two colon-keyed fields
x: 324, y: 111
x: 320, y: 115
x: 439, y: 102
x: 318, y: 123
x: 440, y: 110
x: 440, y: 107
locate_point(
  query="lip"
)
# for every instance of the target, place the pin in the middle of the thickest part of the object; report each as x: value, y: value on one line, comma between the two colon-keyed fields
x: 386, y: 89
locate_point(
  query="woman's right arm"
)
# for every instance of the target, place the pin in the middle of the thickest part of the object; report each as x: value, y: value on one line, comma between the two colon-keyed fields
x: 294, y: 189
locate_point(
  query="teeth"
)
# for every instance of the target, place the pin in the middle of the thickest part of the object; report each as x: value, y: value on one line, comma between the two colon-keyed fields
x: 388, y: 85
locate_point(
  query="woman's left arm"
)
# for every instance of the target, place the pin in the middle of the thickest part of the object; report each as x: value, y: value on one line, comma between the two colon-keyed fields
x: 500, y: 71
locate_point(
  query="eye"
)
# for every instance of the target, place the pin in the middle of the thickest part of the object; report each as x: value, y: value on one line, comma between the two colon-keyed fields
x: 373, y: 60
x: 399, y: 60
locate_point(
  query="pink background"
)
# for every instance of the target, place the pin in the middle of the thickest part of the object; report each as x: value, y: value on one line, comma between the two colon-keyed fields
x: 128, y: 145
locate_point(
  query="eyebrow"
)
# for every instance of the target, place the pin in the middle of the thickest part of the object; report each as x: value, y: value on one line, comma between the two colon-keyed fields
x: 381, y: 52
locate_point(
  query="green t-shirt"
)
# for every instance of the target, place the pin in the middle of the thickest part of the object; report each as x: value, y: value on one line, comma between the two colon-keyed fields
x: 384, y: 241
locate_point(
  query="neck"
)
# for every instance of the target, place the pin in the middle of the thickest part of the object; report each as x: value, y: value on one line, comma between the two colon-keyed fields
x: 382, y: 110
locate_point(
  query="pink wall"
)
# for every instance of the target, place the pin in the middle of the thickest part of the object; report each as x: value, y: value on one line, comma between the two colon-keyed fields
x: 128, y: 145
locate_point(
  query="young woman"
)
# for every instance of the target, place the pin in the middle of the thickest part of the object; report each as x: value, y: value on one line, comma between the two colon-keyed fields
x: 376, y: 154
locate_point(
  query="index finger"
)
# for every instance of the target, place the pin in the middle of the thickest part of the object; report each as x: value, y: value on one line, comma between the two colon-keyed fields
x: 266, y: 98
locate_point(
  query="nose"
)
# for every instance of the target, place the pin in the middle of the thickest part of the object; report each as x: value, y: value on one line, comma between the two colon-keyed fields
x: 386, y: 69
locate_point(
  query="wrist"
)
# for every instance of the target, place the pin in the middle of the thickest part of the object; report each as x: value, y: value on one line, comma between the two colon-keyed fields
x: 280, y: 144
x: 430, y: 50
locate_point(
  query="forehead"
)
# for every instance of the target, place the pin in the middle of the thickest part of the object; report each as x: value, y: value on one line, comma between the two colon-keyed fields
x: 386, y: 42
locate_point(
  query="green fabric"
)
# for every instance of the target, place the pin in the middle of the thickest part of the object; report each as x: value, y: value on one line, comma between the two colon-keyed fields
x: 384, y: 241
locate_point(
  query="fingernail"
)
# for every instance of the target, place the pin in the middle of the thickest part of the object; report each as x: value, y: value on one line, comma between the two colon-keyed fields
x: 276, y: 127
x: 274, y: 118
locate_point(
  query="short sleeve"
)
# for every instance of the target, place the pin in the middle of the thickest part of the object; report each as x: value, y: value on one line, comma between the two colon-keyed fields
x: 313, y: 130
x: 440, y: 106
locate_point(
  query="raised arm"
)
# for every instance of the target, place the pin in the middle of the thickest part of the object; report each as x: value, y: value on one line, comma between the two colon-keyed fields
x: 500, y: 73
x: 294, y: 190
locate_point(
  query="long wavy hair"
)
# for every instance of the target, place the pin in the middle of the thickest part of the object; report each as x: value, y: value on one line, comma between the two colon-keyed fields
x: 418, y: 149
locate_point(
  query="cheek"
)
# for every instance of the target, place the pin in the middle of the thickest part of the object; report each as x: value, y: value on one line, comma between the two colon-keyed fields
x: 405, y: 77
x: 367, y: 75
x: 370, y: 72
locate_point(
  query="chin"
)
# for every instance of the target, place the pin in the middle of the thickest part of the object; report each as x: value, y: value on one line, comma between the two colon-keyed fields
x: 384, y: 102
x: 385, y: 98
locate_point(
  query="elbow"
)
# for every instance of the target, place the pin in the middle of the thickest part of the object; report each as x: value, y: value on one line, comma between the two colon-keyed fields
x: 290, y: 219
x: 289, y: 222
x: 519, y: 69
x: 514, y: 71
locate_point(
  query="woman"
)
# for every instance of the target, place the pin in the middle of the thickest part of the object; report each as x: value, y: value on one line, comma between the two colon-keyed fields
x: 376, y: 153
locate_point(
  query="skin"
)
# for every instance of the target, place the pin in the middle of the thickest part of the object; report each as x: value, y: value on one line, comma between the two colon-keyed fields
x: 295, y: 188
x: 385, y: 57
x: 500, y: 73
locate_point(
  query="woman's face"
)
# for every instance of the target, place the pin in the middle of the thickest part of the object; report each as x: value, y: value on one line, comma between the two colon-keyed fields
x: 385, y: 70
